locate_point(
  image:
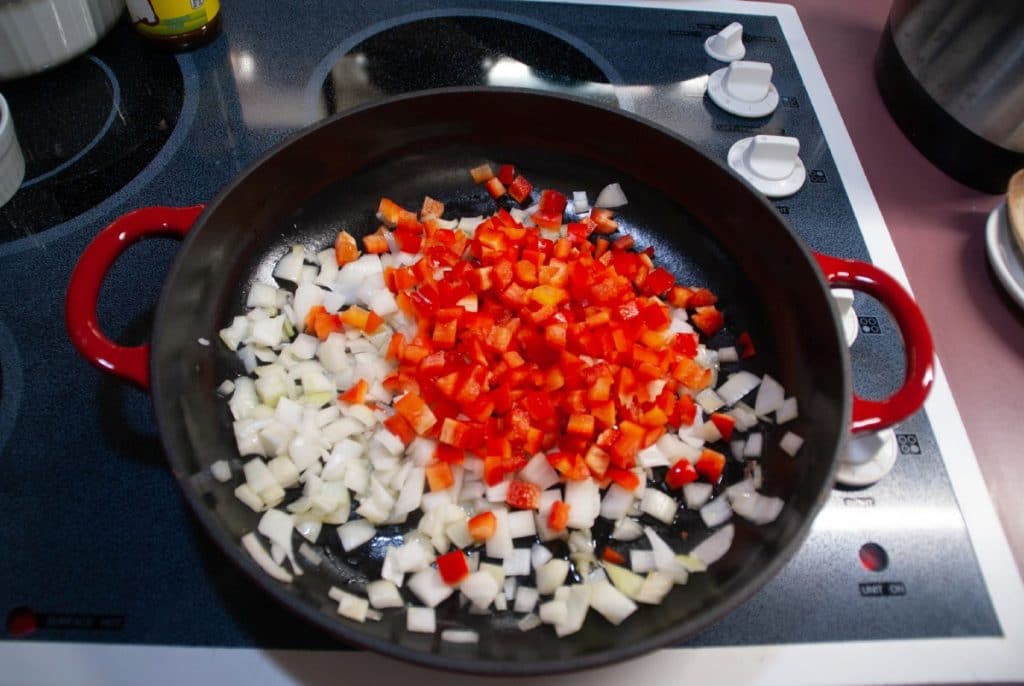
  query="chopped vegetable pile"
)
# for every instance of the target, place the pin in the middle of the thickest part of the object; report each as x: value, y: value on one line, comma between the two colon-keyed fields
x: 495, y: 385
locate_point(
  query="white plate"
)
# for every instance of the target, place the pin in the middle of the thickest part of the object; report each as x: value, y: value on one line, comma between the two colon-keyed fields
x: 1004, y: 254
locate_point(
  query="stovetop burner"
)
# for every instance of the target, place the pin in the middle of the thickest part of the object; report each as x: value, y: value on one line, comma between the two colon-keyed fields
x: 87, y: 128
x: 455, y: 50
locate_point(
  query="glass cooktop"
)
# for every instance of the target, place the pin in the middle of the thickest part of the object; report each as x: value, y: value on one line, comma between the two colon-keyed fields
x: 99, y: 546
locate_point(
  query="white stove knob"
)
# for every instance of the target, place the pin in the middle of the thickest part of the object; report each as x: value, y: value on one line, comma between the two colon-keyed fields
x: 771, y: 164
x: 727, y: 44
x: 744, y: 89
x: 868, y: 458
x: 844, y: 301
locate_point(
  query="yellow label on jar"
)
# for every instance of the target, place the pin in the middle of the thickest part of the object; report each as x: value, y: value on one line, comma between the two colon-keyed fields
x: 171, y: 17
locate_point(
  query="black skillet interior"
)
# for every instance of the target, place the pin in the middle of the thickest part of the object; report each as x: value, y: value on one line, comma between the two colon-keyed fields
x: 706, y: 227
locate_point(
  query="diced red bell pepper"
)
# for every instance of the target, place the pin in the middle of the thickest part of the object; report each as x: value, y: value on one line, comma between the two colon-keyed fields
x: 397, y: 425
x: 685, y: 411
x: 494, y: 472
x: 624, y: 478
x: 680, y: 474
x: 373, y: 322
x: 520, y: 189
x: 356, y: 317
x: 345, y: 248
x: 708, y: 319
x: 454, y: 432
x: 506, y: 173
x: 431, y: 209
x: 495, y: 187
x: 710, y: 465
x: 558, y: 518
x: 375, y: 244
x: 483, y: 526
x: 482, y: 173
x: 724, y: 423
x: 449, y: 454
x: 445, y: 334
x: 597, y: 461
x: 701, y: 297
x: 439, y: 476
x: 745, y: 345
x: 356, y: 394
x: 580, y: 425
x: 453, y: 567
x: 609, y: 554
x: 523, y: 495
x: 659, y: 281
x: 604, y: 222
x: 655, y: 316
x: 415, y: 411
x: 552, y: 202
x: 388, y: 211
x: 407, y: 240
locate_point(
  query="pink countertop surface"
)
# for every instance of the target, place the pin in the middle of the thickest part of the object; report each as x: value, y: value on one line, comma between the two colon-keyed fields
x: 938, y: 226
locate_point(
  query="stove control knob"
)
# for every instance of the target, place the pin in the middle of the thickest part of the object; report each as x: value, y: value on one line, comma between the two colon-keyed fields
x: 727, y: 44
x: 771, y: 164
x: 868, y: 458
x: 844, y: 301
x: 744, y: 89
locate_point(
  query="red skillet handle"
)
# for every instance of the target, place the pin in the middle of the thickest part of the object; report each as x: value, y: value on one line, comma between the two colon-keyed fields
x: 873, y: 415
x: 130, y: 363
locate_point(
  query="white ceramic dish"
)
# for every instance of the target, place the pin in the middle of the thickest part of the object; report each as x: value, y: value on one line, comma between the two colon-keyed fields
x: 12, y: 162
x: 39, y: 34
x: 1004, y: 254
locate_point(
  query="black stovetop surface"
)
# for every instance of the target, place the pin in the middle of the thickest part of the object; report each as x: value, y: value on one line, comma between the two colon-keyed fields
x: 98, y: 544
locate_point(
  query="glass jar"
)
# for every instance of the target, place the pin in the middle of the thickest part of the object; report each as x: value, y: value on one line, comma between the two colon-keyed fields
x: 176, y: 24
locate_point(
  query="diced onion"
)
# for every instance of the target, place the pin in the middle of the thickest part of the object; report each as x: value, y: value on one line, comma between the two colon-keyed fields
x: 554, y: 612
x: 521, y: 524
x: 460, y: 636
x: 791, y: 443
x: 728, y: 354
x: 641, y: 561
x: 221, y: 471
x: 580, y: 203
x: 716, y: 512
x: 655, y: 587
x: 714, y: 546
x: 529, y: 622
x: 551, y: 575
x: 754, y: 445
x: 420, y: 620
x: 737, y: 386
x: 696, y: 494
x: 627, y: 529
x: 709, y: 400
x: 610, y: 602
x: 540, y: 472
x: 263, y: 559
x: 351, y: 606
x: 526, y: 599
x: 539, y: 555
x: 355, y: 533
x: 770, y: 396
x: 480, y: 587
x: 611, y: 196
x: 517, y: 563
x: 429, y: 587
x: 616, y: 503
x: 660, y: 506
x: 788, y: 412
